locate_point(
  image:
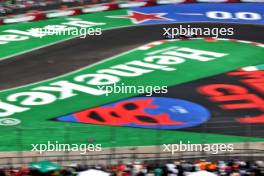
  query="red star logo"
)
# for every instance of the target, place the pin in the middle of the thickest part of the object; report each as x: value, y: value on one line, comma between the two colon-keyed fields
x: 138, y: 17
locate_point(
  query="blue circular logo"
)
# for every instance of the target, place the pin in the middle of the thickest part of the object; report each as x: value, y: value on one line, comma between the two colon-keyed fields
x: 163, y: 113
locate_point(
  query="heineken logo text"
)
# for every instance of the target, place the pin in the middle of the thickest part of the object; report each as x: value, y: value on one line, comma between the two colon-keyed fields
x: 90, y: 83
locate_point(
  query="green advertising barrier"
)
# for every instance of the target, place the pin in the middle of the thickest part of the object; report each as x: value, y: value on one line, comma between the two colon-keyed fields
x: 26, y: 112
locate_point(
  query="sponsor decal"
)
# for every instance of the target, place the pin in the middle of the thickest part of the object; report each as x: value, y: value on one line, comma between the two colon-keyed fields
x: 166, y: 63
x: 144, y: 112
x: 153, y: 62
x: 235, y: 97
x: 139, y: 17
x: 225, y: 13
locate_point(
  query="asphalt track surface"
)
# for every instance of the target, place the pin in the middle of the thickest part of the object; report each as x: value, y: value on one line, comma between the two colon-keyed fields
x: 68, y: 56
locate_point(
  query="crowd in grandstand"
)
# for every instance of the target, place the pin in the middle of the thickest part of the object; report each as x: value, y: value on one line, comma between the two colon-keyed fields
x: 178, y: 168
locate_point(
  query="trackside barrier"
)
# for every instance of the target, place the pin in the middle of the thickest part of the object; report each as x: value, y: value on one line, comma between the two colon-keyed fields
x: 136, y: 4
x: 19, y: 19
x: 62, y: 13
x: 99, y: 8
x: 24, y: 18
x: 129, y: 155
x: 103, y: 7
x: 39, y: 16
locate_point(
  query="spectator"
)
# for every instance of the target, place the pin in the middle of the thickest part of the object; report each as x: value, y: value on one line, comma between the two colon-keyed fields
x: 158, y: 171
x: 178, y: 168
